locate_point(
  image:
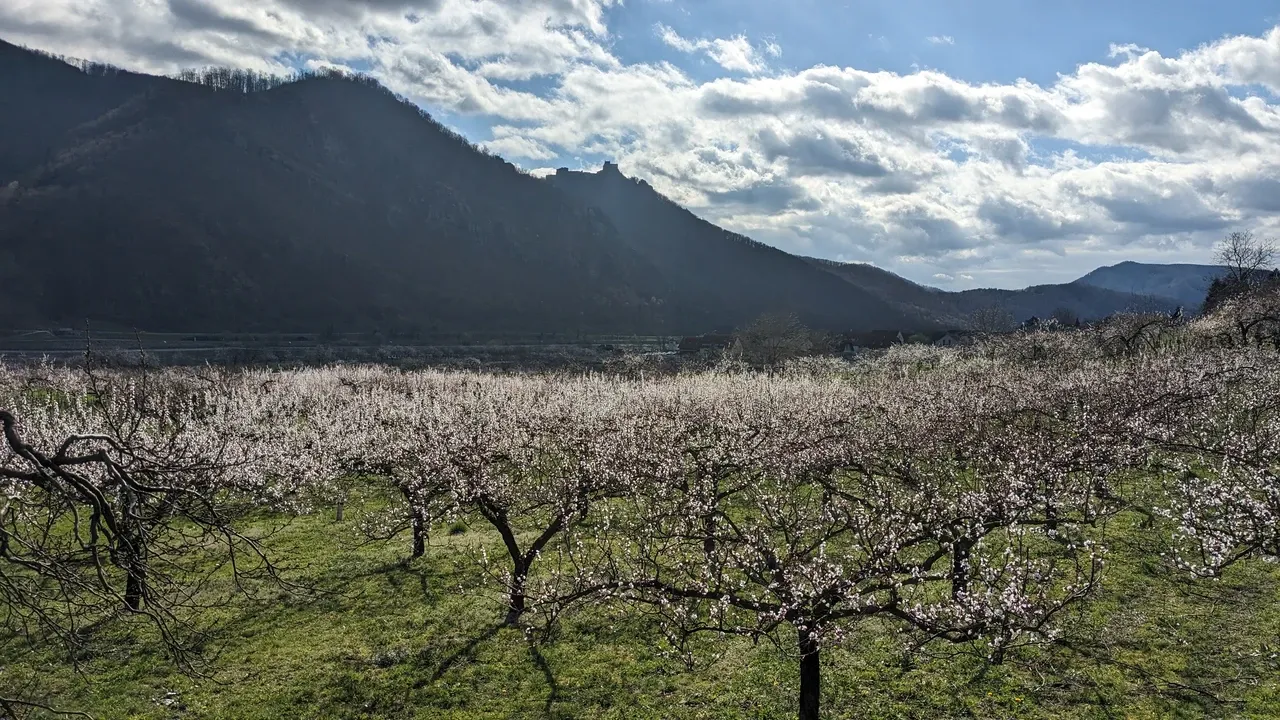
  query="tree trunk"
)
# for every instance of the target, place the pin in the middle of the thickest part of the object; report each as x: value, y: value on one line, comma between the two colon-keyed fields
x: 810, y: 677
x: 341, y: 506
x: 709, y: 524
x: 419, y: 534
x: 960, y: 566
x: 517, y: 600
x: 517, y: 607
x: 134, y: 550
x: 135, y: 584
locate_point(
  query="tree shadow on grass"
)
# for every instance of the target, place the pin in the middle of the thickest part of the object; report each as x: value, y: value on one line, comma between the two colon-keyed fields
x: 346, y: 583
x: 545, y: 667
x: 397, y: 573
x: 466, y: 652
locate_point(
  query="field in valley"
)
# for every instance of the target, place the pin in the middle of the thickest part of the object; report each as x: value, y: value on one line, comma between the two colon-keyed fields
x: 1070, y: 524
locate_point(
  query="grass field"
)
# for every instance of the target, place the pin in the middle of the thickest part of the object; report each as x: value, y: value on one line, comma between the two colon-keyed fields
x: 382, y: 638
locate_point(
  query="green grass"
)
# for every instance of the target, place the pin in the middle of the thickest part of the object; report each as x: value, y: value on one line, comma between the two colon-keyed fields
x: 388, y: 639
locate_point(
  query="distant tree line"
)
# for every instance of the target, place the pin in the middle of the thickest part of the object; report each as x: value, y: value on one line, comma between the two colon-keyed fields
x: 224, y: 79
x: 88, y: 67
x: 244, y: 81
x: 253, y: 81
x: 1248, y: 261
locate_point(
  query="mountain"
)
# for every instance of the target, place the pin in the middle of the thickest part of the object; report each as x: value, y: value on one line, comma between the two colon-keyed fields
x: 1184, y: 283
x: 716, y: 270
x: 911, y: 297
x: 230, y: 201
x: 953, y: 309
x: 239, y: 202
x: 321, y: 203
x: 42, y: 99
x: 719, y: 274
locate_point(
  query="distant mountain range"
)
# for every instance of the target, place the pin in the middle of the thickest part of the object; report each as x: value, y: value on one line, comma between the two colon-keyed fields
x: 953, y: 309
x: 230, y: 201
x: 724, y: 279
x: 1183, y: 283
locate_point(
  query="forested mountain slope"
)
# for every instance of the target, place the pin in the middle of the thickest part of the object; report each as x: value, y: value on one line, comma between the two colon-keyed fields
x: 232, y: 201
x: 326, y: 202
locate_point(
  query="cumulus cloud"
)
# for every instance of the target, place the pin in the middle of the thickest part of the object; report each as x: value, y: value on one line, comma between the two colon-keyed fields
x: 514, y: 146
x: 1136, y: 156
x: 818, y: 153
x: 540, y: 36
x: 735, y: 54
x: 941, y: 40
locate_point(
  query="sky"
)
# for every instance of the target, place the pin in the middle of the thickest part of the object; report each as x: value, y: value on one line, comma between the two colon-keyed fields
x: 986, y: 143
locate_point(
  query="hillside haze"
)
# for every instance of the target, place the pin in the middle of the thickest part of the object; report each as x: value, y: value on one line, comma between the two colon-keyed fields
x: 953, y: 309
x: 719, y: 273
x: 324, y: 203
x: 328, y: 203
x: 321, y: 203
x: 1184, y: 283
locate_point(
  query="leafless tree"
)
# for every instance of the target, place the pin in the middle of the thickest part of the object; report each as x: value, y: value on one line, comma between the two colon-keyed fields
x: 119, y: 507
x: 1066, y: 317
x: 1245, y: 256
x: 772, y: 339
x: 991, y: 320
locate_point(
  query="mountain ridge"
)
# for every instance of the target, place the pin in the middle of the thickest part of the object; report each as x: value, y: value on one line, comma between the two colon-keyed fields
x: 717, y: 269
x: 238, y: 202
x: 955, y: 308
x: 943, y: 307
x: 292, y: 207
x: 1185, y: 283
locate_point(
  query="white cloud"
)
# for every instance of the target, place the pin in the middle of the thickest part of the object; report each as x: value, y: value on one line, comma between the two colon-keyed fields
x: 735, y: 54
x: 514, y: 146
x: 941, y: 40
x: 541, y: 36
x: 1137, y: 156
x: 673, y: 39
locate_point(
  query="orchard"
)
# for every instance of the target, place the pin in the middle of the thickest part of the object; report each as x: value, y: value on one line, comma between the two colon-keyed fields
x: 942, y: 502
